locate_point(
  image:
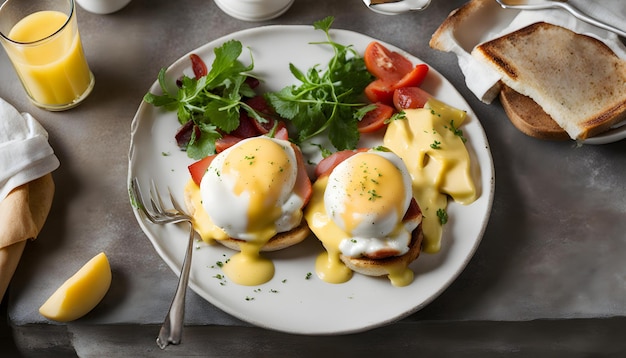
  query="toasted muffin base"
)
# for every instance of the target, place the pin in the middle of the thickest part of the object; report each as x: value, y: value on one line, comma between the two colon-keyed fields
x: 278, y: 242
x: 381, y: 267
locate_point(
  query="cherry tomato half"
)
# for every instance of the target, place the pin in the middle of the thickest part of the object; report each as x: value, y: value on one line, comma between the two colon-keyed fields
x: 375, y: 119
x: 410, y: 97
x: 385, y: 64
x: 326, y: 165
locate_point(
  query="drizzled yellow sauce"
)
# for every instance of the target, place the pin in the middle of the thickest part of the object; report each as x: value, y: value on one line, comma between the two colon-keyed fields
x: 433, y: 149
x: 328, y: 266
x: 202, y: 223
x: 246, y: 267
x: 400, y: 275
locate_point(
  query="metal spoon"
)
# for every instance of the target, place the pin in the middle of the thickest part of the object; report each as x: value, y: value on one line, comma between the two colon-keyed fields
x: 553, y: 4
x: 395, y: 7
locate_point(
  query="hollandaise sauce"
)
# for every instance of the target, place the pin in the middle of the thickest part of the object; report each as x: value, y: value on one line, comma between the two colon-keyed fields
x: 400, y: 275
x: 433, y: 149
x: 328, y: 265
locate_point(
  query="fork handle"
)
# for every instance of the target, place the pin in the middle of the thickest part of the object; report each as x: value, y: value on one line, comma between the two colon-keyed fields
x: 590, y: 20
x: 172, y: 329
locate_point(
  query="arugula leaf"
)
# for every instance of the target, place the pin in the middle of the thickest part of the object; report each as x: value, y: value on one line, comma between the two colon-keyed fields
x: 326, y: 100
x: 213, y: 102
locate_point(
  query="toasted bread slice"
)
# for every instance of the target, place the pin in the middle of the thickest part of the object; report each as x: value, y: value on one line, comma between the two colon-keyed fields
x: 527, y: 116
x: 576, y: 79
x: 278, y: 242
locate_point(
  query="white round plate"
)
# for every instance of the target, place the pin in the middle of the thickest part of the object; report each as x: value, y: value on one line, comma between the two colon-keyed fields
x: 295, y: 300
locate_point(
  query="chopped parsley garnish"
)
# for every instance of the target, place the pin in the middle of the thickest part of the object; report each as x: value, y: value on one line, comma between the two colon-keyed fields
x: 436, y: 145
x: 443, y: 216
x: 373, y: 195
x: 396, y: 116
x: 457, y: 132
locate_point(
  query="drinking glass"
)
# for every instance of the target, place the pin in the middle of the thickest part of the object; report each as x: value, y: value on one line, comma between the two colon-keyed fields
x: 42, y: 41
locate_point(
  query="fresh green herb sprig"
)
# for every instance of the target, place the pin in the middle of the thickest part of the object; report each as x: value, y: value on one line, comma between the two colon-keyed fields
x: 212, y: 102
x: 327, y: 100
x: 442, y: 214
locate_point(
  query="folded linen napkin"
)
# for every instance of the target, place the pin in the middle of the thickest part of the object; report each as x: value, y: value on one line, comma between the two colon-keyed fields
x: 483, y: 82
x: 26, y: 185
x: 25, y: 153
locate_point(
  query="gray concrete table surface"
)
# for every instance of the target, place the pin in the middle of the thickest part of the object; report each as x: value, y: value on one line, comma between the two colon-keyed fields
x: 548, y: 277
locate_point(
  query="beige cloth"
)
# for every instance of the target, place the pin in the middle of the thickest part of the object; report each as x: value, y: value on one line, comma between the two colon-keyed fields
x: 22, y: 215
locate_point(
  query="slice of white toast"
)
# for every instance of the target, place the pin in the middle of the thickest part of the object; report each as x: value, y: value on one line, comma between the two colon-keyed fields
x: 576, y: 79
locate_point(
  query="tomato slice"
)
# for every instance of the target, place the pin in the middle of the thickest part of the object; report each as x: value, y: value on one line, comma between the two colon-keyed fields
x: 385, y: 64
x: 414, y: 78
x: 226, y: 142
x: 326, y: 165
x: 375, y: 119
x: 198, y: 66
x: 380, y: 91
x: 410, y: 97
x: 197, y: 169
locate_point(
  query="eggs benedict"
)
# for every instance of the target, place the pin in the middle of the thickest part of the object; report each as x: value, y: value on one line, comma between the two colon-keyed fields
x: 362, y: 210
x: 250, y: 199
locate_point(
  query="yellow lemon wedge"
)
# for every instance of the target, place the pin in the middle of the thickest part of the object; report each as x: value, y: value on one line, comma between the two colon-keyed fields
x: 81, y: 292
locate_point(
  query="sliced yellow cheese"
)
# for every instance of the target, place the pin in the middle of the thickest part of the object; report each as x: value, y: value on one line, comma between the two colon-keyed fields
x: 81, y: 292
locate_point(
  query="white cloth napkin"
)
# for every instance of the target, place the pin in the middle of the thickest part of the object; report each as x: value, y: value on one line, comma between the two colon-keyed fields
x: 482, y: 80
x: 25, y: 153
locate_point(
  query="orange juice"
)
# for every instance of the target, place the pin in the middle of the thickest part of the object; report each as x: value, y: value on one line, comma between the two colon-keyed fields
x: 50, y: 61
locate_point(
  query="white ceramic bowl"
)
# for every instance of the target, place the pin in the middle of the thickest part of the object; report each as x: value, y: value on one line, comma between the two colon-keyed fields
x: 102, y: 6
x: 254, y: 10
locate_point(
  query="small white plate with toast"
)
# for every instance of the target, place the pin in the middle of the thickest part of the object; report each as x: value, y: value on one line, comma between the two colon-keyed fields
x: 468, y: 28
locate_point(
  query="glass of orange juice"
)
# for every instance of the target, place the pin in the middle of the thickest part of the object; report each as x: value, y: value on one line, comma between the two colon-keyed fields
x: 41, y: 38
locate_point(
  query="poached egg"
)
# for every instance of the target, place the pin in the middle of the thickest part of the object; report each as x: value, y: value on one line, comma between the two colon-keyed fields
x: 248, y: 189
x: 250, y: 192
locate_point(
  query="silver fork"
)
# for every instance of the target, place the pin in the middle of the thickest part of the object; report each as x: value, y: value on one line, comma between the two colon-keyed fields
x: 172, y: 327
